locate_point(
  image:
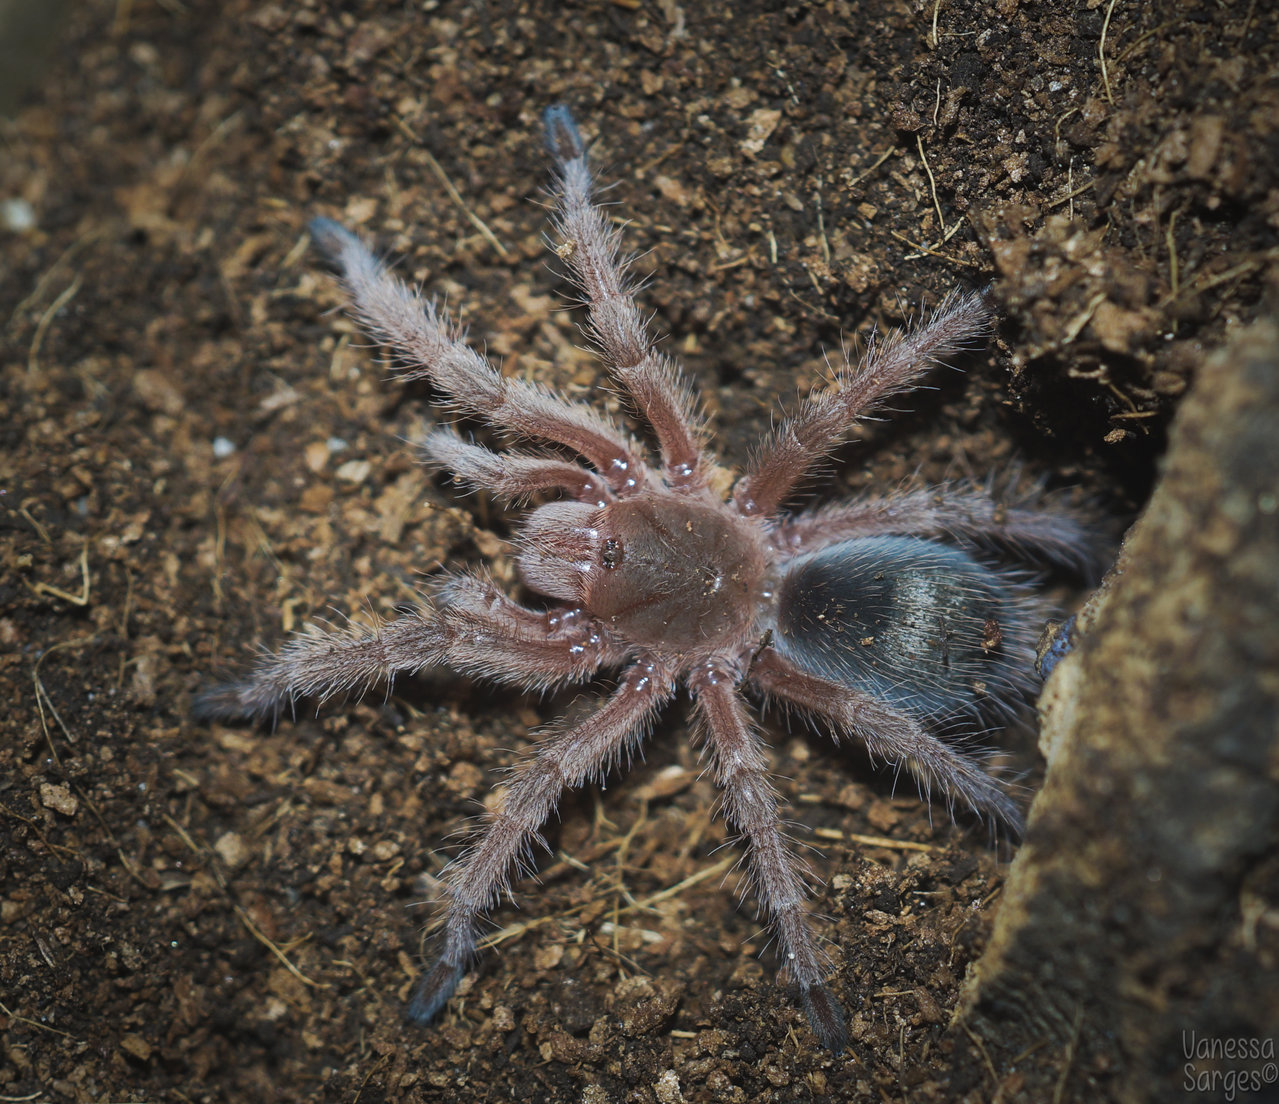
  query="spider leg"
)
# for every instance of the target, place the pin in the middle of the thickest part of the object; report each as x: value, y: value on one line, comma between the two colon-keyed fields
x: 512, y: 476
x: 590, y: 247
x: 473, y: 628
x: 890, y: 366
x: 566, y: 759
x: 779, y: 877
x: 887, y: 733
x: 486, y: 634
x: 431, y: 348
x: 966, y: 513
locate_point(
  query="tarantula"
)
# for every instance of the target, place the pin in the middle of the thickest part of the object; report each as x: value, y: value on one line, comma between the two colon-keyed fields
x: 900, y: 620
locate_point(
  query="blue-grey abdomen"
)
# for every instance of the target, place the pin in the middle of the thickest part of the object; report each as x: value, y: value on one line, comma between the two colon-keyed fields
x: 923, y: 625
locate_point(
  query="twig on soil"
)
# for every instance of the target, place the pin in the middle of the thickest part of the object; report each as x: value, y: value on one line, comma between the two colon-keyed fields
x: 54, y: 847
x: 1101, y: 51
x: 46, y: 320
x: 1171, y: 239
x: 1059, y: 1090
x: 867, y: 171
x: 42, y: 695
x: 931, y: 252
x: 369, y: 1076
x: 1204, y: 282
x: 81, y: 599
x: 1076, y: 326
x: 932, y: 187
x: 1247, y: 19
x: 206, y: 852
x: 821, y: 224
x: 515, y: 931
x: 1070, y: 194
x: 872, y: 841
x: 33, y: 1023
x: 985, y: 1054
x: 106, y: 830
x: 87, y: 238
x: 454, y: 194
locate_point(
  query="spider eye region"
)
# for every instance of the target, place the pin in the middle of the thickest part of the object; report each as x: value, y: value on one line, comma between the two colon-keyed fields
x: 612, y: 554
x: 676, y: 575
x: 921, y: 624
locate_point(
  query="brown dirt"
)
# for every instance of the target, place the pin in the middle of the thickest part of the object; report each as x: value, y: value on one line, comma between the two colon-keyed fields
x: 222, y: 914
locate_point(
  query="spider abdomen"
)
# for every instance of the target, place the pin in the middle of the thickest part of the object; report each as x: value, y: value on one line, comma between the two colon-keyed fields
x: 921, y: 624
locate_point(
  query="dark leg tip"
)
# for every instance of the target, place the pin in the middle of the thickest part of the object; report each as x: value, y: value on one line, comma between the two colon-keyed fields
x: 562, y: 136
x: 220, y: 703
x: 331, y: 238
x: 432, y: 992
x: 826, y: 1017
x: 235, y: 703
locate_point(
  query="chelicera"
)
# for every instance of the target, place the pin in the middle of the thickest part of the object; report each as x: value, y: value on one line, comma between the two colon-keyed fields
x: 905, y: 621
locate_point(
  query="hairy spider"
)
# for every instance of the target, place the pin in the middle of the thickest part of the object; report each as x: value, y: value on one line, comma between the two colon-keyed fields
x: 902, y: 621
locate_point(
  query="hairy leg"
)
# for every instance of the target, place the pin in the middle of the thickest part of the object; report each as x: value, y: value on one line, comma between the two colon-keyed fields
x: 890, y: 366
x: 512, y: 476
x: 888, y: 734
x: 475, y: 629
x: 431, y: 348
x: 590, y: 247
x: 567, y: 758
x: 486, y: 634
x: 970, y: 514
x: 779, y: 877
